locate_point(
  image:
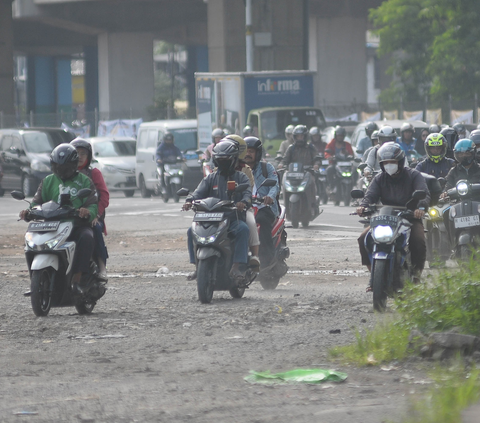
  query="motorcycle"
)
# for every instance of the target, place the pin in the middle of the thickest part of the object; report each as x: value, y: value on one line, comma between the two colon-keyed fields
x: 438, y: 245
x: 50, y: 254
x: 344, y: 179
x: 270, y: 277
x: 322, y: 180
x: 214, y: 247
x: 301, y: 202
x: 464, y: 219
x: 387, y: 245
x: 173, y: 175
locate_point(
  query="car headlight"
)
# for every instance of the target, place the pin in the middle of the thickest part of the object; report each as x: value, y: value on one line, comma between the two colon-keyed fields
x: 39, y: 166
x: 382, y: 233
x: 462, y: 188
x: 110, y: 169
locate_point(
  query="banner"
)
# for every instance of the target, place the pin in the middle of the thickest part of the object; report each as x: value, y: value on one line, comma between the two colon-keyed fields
x: 79, y: 131
x: 391, y: 115
x: 416, y: 115
x: 434, y: 116
x: 370, y: 116
x: 462, y: 116
x: 119, y: 127
x: 353, y: 116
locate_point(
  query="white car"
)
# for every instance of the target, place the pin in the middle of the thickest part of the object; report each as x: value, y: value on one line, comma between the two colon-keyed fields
x: 115, y: 158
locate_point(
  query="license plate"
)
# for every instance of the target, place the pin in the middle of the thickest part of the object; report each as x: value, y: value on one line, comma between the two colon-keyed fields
x: 43, y: 226
x: 208, y: 217
x: 292, y: 175
x: 466, y: 221
x: 383, y: 220
x: 344, y: 164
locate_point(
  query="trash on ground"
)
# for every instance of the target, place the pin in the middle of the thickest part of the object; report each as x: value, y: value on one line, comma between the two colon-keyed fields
x: 296, y: 376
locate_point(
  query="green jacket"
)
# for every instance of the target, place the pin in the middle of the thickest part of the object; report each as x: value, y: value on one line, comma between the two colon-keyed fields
x: 52, y: 186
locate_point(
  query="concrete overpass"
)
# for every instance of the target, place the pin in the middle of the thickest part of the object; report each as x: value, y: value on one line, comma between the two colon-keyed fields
x: 116, y: 38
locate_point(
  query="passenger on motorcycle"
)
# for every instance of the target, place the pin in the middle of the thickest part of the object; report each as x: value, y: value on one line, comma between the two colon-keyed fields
x: 394, y: 186
x: 452, y: 137
x: 167, y: 152
x: 217, y: 135
x: 225, y: 157
x: 67, y: 180
x: 269, y: 210
x: 288, y: 140
x: 385, y: 134
x: 365, y: 143
x: 436, y: 163
x: 84, y: 151
x: 316, y: 140
x: 374, y: 138
x: 406, y: 140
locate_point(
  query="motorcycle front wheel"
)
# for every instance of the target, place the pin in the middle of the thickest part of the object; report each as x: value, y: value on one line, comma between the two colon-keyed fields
x: 379, y: 286
x: 206, y: 279
x: 40, y: 297
x: 237, y: 292
x: 295, y: 213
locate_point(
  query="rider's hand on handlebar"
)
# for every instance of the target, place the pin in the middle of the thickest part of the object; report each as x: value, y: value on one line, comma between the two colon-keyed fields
x: 315, y: 167
x: 240, y: 206
x: 418, y: 214
x: 187, y: 206
x: 83, y: 213
x: 267, y: 201
x: 23, y: 214
x: 443, y: 195
x: 360, y: 210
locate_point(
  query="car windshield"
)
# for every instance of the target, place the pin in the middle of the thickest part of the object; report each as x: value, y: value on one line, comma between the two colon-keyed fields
x: 185, y: 139
x: 114, y: 148
x: 275, y: 122
x: 38, y: 142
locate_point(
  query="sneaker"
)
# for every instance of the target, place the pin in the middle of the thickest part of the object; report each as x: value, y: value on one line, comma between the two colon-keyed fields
x: 254, y: 261
x: 102, y: 277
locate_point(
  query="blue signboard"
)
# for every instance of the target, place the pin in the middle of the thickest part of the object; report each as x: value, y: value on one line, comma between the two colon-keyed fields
x: 279, y: 91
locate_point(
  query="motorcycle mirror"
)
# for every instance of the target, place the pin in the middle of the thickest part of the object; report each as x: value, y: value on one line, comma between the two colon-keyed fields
x: 84, y: 193
x: 362, y: 166
x: 231, y: 186
x: 18, y: 195
x: 278, y: 158
x: 357, y: 193
x: 357, y: 160
x: 199, y: 152
x: 241, y: 187
x: 183, y: 192
x: 268, y: 183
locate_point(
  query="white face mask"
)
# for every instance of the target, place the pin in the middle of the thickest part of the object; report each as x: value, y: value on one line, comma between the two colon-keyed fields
x: 391, y: 168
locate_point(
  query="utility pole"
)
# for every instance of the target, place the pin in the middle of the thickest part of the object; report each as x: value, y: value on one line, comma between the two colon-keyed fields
x: 249, y: 34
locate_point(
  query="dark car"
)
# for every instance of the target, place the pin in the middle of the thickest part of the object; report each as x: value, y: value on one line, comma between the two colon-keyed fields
x: 25, y: 156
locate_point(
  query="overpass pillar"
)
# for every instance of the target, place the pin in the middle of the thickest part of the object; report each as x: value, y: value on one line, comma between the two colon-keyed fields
x: 125, y: 74
x: 6, y: 58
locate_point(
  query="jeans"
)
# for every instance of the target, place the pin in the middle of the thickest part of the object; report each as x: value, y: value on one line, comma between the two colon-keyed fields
x: 100, y: 250
x: 83, y: 237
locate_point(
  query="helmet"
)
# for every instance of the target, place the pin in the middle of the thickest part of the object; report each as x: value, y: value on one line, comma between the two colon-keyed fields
x: 459, y: 128
x: 391, y: 151
x: 254, y: 142
x: 464, y: 151
x: 314, y: 131
x: 407, y: 127
x: 217, y: 133
x: 370, y: 127
x: 289, y: 130
x: 450, y: 135
x: 82, y: 143
x: 340, y: 131
x: 247, y: 131
x: 225, y: 156
x: 374, y: 135
x: 300, y: 130
x: 475, y: 137
x: 386, y: 133
x: 434, y: 128
x: 168, y: 136
x: 242, y: 146
x: 436, y: 140
x: 64, y: 161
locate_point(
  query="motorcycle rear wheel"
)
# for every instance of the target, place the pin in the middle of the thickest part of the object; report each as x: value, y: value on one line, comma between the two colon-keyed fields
x: 237, y: 292
x: 205, y: 279
x: 85, y: 307
x: 40, y: 296
x: 379, y: 276
x: 295, y: 212
x: 269, y: 283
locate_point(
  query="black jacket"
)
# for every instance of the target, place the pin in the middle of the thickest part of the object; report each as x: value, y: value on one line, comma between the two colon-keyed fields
x: 438, y: 170
x: 396, y: 191
x: 458, y: 173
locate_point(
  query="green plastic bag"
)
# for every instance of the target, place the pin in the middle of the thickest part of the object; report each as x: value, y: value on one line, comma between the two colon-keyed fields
x: 297, y: 376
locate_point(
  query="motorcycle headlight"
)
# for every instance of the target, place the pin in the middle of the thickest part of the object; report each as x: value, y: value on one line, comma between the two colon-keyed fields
x: 433, y: 212
x: 39, y: 166
x: 180, y: 172
x: 288, y: 185
x: 382, y: 233
x: 346, y: 174
x: 110, y: 169
x: 462, y: 188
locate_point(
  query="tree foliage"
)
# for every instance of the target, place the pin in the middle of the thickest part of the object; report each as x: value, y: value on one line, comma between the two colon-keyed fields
x: 434, y: 45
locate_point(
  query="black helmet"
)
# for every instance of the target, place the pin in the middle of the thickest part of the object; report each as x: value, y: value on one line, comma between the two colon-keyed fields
x: 247, y: 131
x: 391, y: 151
x: 386, y: 133
x: 370, y: 127
x: 225, y: 156
x: 459, y: 128
x: 82, y: 143
x: 300, y: 130
x: 254, y: 142
x: 407, y: 127
x: 168, y: 136
x: 340, y: 131
x: 64, y: 161
x: 217, y: 133
x: 434, y: 129
x: 450, y: 135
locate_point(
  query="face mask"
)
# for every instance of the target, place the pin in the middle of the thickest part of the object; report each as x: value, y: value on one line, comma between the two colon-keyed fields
x: 223, y: 166
x: 391, y: 168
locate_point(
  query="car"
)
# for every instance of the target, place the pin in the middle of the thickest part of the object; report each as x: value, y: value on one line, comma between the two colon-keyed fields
x: 115, y: 158
x: 25, y: 156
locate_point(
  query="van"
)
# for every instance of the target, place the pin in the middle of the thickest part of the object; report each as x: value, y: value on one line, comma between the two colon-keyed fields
x: 25, y: 156
x: 150, y: 134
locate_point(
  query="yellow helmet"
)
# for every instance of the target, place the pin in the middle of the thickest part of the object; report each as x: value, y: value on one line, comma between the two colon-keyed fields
x: 242, y: 146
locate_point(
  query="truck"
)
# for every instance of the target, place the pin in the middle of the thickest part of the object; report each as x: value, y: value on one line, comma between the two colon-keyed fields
x: 268, y: 101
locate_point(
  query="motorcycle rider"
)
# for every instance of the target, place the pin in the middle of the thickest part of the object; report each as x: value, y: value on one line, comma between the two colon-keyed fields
x: 406, y: 140
x: 338, y: 149
x: 217, y: 135
x: 452, y: 137
x: 434, y: 129
x: 267, y: 212
x: 66, y: 179
x: 288, y: 140
x: 475, y: 137
x: 167, y: 152
x: 85, y: 154
x: 374, y: 138
x: 247, y: 131
x: 225, y: 157
x: 300, y: 151
x: 436, y: 163
x: 316, y: 140
x: 365, y: 143
x: 394, y: 186
x: 461, y: 130
x: 466, y: 167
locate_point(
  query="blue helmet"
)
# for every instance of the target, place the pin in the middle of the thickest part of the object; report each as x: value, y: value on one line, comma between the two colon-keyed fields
x: 464, y: 146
